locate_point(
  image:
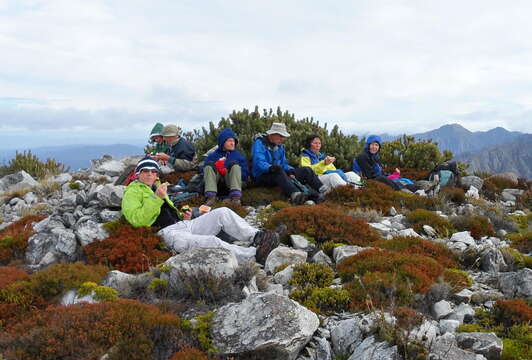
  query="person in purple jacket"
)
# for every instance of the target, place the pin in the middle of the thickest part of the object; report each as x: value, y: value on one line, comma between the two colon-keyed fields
x: 226, y: 165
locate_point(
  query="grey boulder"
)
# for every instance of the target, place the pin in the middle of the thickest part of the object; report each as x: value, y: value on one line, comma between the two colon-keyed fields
x: 89, y: 231
x: 283, y: 255
x: 516, y: 284
x: 17, y: 181
x: 265, y: 325
x: 487, y: 344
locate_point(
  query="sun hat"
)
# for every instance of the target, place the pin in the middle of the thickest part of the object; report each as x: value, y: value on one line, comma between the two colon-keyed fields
x: 170, y: 130
x: 147, y: 163
x: 278, y: 128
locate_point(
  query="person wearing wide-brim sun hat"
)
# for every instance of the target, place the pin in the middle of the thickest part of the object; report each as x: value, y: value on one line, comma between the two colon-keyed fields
x: 270, y: 167
x: 181, y: 154
x: 146, y: 203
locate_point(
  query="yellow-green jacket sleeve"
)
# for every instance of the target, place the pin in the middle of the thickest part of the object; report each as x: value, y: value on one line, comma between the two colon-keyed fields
x: 140, y: 206
x: 318, y: 168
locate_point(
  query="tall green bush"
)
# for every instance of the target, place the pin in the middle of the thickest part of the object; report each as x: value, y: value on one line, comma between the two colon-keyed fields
x: 31, y: 164
x: 405, y: 152
x: 246, y: 124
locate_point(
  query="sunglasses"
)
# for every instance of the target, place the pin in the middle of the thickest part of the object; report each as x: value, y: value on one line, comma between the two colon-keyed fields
x: 150, y: 171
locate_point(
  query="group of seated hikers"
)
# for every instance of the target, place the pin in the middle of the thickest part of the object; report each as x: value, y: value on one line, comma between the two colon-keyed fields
x: 146, y: 202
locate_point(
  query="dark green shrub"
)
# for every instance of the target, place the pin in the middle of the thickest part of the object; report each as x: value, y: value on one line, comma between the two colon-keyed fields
x: 405, y: 152
x: 247, y: 124
x: 312, y: 275
x: 32, y: 165
x: 457, y: 279
x: 322, y: 300
x: 418, y: 218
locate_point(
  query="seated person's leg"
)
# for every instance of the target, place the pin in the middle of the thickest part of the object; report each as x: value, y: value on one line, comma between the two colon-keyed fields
x: 394, y: 185
x: 233, y: 181
x: 352, y: 176
x: 331, y: 181
x: 223, y: 219
x: 306, y: 176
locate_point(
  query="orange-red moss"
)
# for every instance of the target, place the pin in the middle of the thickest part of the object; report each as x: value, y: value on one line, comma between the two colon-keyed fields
x: 512, y: 312
x: 454, y: 194
x: 190, y: 354
x: 14, y: 238
x: 324, y: 224
x: 128, y: 249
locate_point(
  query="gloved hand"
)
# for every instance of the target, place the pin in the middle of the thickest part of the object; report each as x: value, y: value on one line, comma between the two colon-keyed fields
x: 275, y: 169
x: 220, y: 166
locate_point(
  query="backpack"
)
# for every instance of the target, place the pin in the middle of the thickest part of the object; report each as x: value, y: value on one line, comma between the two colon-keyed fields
x: 446, y: 174
x: 127, y: 176
x: 302, y: 188
x: 196, y: 184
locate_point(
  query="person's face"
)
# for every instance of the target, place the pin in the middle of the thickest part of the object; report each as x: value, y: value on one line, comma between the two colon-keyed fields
x: 315, y: 145
x: 148, y: 176
x: 276, y: 139
x: 374, y: 147
x: 229, y: 144
x: 158, y: 139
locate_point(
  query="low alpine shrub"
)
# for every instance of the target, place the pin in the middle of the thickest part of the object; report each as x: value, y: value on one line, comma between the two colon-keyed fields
x: 189, y: 354
x: 131, y: 330
x: 522, y: 242
x: 128, y: 249
x: 454, y: 194
x: 419, y: 217
x: 14, y: 239
x: 415, y: 245
x: 380, y: 197
x: 324, y: 224
x: 384, y: 277
x: 256, y: 196
x: 322, y: 300
x: 10, y: 274
x: 479, y: 226
x: 311, y: 275
x: 457, y: 279
x: 174, y: 177
x: 512, y: 312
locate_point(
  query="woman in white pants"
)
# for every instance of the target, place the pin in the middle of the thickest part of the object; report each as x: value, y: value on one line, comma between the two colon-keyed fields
x: 323, y: 165
x: 146, y: 203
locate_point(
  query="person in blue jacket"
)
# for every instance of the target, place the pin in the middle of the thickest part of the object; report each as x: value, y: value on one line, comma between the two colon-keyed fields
x: 368, y: 164
x: 270, y: 167
x: 226, y: 165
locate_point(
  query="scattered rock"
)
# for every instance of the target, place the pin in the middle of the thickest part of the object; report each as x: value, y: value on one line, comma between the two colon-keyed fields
x: 89, y: 231
x: 475, y: 181
x: 17, y: 181
x: 487, y: 344
x: 341, y: 253
x: 284, y: 255
x: 321, y: 258
x: 299, y: 242
x: 441, y: 309
x: 516, y: 284
x: 267, y: 325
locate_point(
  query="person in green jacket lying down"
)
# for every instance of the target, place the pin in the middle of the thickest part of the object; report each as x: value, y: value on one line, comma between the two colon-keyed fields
x: 146, y: 203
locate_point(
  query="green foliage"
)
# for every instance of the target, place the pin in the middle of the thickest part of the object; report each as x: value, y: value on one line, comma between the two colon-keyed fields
x: 312, y: 275
x: 32, y: 165
x: 322, y: 300
x: 202, y: 329
x: 457, y: 279
x: 158, y: 286
x: 101, y: 293
x: 73, y: 185
x: 515, y: 259
x: 522, y: 242
x: 328, y: 247
x: 405, y: 152
x: 420, y: 217
x: 247, y: 124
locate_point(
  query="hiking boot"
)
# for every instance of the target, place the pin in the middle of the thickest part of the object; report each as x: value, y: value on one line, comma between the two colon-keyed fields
x: 269, y: 240
x: 309, y: 202
x: 298, y: 197
x: 210, y: 198
x: 323, y: 189
x: 320, y: 198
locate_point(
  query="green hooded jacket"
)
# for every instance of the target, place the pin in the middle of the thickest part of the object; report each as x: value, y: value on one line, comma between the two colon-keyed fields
x: 140, y: 205
x: 157, y: 131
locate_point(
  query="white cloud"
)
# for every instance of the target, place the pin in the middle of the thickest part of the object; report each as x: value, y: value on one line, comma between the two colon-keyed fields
x: 368, y: 66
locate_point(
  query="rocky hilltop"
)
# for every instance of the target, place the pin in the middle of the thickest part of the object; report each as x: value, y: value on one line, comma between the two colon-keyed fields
x: 370, y: 274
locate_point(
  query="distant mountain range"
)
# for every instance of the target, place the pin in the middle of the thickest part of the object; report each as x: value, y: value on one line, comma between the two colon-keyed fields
x: 494, y: 151
x: 77, y: 156
x: 515, y: 156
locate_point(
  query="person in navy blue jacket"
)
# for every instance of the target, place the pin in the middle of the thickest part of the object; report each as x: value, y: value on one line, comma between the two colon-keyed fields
x: 368, y: 164
x: 227, y: 165
x: 270, y: 167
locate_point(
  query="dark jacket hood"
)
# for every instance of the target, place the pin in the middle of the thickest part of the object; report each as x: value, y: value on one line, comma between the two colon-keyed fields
x: 223, y: 136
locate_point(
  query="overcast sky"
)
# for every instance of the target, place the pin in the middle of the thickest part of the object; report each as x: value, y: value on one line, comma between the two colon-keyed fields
x: 105, y: 71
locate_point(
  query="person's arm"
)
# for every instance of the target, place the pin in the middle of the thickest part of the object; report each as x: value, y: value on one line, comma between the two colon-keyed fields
x: 140, y: 209
x: 259, y: 157
x: 319, y: 168
x: 284, y: 162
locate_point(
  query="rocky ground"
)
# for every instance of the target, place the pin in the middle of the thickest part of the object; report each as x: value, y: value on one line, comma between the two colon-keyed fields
x: 262, y: 320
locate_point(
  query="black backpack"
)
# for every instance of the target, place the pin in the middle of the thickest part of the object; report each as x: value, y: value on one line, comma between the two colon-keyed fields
x: 446, y: 173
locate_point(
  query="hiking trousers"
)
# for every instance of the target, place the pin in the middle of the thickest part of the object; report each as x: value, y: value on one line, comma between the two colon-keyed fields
x: 232, y: 179
x: 333, y: 180
x: 304, y: 175
x: 201, y: 232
